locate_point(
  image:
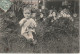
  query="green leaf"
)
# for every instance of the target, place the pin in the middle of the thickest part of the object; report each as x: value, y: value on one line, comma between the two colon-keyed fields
x: 5, y: 4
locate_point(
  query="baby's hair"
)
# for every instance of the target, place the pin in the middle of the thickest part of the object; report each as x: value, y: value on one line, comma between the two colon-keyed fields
x: 25, y: 8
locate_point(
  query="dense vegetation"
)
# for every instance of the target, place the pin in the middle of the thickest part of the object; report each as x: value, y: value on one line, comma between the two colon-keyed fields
x: 61, y: 36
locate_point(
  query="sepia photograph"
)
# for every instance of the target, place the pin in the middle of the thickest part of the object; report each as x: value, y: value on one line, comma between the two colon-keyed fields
x: 39, y: 26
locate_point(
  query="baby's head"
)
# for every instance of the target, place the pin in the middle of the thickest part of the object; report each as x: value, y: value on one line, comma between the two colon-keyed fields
x: 27, y: 12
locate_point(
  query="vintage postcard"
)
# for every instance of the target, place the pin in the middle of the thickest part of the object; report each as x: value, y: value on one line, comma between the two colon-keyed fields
x: 39, y: 26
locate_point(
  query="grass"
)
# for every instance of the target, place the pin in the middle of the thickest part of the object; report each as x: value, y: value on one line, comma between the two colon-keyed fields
x: 60, y: 37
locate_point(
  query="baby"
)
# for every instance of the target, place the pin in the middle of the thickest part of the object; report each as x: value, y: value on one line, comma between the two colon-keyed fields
x: 28, y: 26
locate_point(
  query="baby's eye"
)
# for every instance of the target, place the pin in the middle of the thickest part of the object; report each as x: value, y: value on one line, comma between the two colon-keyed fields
x: 27, y: 13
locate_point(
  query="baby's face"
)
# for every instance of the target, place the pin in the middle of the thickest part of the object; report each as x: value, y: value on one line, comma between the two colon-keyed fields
x: 27, y: 14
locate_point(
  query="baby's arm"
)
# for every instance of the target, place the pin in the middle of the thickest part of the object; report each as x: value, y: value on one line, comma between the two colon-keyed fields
x: 22, y: 22
x: 34, y: 23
